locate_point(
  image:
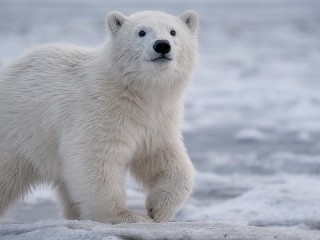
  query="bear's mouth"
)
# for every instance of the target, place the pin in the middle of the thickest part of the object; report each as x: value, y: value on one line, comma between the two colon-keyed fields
x: 161, y: 59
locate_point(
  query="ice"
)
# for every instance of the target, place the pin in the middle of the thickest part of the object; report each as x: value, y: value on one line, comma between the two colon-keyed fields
x: 285, y: 201
x: 41, y: 194
x: 251, y: 134
x: 74, y: 230
x: 252, y: 118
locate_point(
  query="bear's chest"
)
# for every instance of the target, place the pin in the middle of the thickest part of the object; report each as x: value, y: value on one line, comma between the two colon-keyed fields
x: 148, y: 128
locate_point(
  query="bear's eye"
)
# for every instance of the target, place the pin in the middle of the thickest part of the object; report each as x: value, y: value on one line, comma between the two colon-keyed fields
x: 173, y: 32
x: 142, y: 33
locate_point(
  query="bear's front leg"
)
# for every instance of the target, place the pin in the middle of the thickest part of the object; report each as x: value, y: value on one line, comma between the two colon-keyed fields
x: 168, y: 175
x: 93, y: 172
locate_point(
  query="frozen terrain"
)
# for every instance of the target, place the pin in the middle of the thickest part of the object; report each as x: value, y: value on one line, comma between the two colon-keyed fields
x: 252, y: 118
x: 75, y: 230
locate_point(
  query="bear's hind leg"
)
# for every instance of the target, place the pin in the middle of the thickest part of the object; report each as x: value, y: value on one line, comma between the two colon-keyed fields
x: 17, y: 176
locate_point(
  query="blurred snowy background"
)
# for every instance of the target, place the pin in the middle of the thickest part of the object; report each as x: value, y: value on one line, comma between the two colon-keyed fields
x: 252, y: 123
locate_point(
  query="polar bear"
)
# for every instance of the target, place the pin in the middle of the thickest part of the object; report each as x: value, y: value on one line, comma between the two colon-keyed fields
x: 81, y: 118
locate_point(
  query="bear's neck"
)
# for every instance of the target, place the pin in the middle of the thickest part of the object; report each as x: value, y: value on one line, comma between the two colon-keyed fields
x: 158, y: 91
x: 159, y: 87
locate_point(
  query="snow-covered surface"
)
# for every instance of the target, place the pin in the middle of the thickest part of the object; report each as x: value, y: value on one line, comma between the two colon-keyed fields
x: 252, y: 114
x: 74, y: 230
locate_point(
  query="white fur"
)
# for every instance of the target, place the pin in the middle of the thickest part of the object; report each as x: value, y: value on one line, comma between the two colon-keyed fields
x: 81, y: 118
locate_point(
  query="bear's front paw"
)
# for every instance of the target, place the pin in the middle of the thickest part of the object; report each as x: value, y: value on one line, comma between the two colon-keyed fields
x: 130, y: 217
x: 162, y: 206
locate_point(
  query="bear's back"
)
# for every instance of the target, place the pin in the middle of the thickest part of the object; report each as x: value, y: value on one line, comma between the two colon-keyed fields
x: 38, y: 90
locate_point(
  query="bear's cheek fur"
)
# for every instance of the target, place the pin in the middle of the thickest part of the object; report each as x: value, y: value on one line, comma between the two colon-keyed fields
x: 144, y: 48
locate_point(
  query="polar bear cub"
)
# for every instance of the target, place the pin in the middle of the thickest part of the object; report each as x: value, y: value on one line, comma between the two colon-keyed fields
x: 80, y: 118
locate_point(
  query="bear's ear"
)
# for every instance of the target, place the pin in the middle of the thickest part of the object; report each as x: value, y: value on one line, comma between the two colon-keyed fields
x: 191, y: 19
x: 115, y: 21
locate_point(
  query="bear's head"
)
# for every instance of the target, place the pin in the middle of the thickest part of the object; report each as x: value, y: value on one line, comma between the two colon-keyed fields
x: 154, y: 44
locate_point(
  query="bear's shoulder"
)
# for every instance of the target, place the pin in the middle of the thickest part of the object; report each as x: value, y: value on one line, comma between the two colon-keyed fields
x: 60, y: 50
x: 54, y: 55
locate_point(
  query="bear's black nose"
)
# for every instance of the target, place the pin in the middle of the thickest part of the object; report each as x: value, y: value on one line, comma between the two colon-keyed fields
x: 162, y: 46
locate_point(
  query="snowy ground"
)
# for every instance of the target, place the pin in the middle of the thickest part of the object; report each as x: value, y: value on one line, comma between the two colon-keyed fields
x: 252, y: 113
x: 75, y: 230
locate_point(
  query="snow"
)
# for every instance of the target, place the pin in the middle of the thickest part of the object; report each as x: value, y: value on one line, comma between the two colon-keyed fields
x: 69, y: 230
x: 277, y: 202
x: 251, y: 134
x: 252, y: 123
